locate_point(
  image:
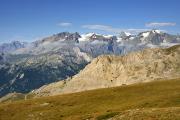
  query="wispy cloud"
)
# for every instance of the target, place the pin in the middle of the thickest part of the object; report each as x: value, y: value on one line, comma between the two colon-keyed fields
x: 111, y: 29
x: 64, y: 24
x: 99, y: 27
x: 160, y: 24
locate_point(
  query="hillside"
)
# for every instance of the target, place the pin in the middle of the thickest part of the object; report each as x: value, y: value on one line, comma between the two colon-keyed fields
x: 109, y: 71
x: 158, y: 100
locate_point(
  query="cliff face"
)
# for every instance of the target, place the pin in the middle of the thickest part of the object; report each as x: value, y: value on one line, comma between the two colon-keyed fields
x: 109, y: 71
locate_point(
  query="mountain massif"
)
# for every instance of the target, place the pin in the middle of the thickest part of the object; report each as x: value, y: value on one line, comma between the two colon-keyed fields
x: 28, y: 66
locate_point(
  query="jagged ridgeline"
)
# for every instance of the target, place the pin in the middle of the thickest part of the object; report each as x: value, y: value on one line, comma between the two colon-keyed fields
x: 28, y: 66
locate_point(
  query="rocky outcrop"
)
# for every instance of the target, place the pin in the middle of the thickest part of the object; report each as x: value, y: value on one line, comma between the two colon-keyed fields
x: 109, y: 71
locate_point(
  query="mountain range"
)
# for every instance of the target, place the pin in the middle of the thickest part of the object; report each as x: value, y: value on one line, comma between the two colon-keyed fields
x: 28, y: 66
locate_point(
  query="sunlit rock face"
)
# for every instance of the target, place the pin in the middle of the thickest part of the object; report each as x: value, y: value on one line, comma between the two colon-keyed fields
x: 110, y: 71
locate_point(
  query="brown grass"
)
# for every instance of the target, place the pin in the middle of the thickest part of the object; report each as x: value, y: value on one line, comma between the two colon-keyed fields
x: 100, y: 104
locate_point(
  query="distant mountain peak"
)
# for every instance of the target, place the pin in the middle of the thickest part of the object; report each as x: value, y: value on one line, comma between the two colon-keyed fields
x: 156, y: 31
x: 125, y: 34
x: 155, y: 37
x: 64, y: 36
x: 12, y: 46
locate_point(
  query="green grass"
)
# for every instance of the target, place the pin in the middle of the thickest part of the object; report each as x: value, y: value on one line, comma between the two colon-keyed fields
x: 102, y: 104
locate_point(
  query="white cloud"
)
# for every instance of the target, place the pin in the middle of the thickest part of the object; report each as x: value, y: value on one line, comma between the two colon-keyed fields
x: 98, y: 27
x: 111, y: 29
x: 64, y: 24
x: 160, y: 24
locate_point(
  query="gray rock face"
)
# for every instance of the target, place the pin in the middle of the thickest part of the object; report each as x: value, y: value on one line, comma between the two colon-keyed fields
x: 9, y: 47
x: 2, y: 58
x: 64, y: 36
x: 35, y: 71
x: 27, y: 67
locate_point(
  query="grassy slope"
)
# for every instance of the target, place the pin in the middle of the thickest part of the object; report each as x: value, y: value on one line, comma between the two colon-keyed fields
x: 155, y: 100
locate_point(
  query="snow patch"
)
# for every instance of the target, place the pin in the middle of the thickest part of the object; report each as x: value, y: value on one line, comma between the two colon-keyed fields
x: 127, y: 34
x: 119, y: 39
x: 21, y: 76
x: 146, y: 34
x: 131, y: 38
x: 158, y: 31
x: 85, y: 37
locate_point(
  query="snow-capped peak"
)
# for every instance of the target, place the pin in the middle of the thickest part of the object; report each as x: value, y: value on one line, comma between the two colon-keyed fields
x: 145, y: 34
x: 156, y: 31
x: 127, y: 33
x: 85, y: 37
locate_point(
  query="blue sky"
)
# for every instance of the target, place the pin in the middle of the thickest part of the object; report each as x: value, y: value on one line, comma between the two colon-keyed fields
x: 28, y: 20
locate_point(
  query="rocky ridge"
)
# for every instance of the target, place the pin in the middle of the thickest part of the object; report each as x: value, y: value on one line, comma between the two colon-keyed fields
x: 109, y: 71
